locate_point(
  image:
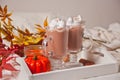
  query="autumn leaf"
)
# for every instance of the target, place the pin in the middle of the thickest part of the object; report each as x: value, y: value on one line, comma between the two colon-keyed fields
x: 38, y: 25
x: 46, y: 22
x: 9, y: 19
x: 5, y: 9
x: 8, y: 35
x: 9, y: 14
x: 4, y: 14
x: 34, y: 40
x: 1, y: 8
x: 27, y: 32
x: 26, y: 40
x: 40, y: 29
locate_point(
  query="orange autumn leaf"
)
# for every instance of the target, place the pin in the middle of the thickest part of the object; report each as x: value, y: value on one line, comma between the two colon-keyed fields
x: 0, y: 8
x: 38, y: 25
x: 27, y: 32
x: 4, y: 13
x: 46, y: 22
x: 5, y: 9
x: 42, y: 30
x: 9, y: 14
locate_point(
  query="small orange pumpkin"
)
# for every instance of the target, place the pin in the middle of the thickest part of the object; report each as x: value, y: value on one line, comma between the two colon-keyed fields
x: 38, y: 64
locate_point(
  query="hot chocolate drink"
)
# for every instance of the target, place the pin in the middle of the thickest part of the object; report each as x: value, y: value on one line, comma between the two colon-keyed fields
x: 75, y: 38
x: 58, y: 43
x: 75, y: 34
x: 57, y: 39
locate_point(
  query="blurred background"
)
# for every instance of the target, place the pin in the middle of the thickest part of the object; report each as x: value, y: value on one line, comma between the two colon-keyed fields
x: 94, y: 12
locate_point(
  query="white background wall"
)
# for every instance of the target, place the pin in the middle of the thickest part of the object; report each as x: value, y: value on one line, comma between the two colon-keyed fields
x: 94, y: 12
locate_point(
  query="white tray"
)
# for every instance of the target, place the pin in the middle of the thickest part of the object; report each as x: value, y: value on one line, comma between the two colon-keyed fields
x: 105, y: 65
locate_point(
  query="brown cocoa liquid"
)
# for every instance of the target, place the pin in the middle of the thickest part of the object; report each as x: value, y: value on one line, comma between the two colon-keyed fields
x: 58, y: 42
x: 75, y: 38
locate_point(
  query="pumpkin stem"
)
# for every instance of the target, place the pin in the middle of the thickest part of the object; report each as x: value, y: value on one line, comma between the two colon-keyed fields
x: 35, y: 57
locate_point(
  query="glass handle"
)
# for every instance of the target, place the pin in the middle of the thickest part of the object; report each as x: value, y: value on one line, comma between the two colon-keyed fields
x: 45, y: 44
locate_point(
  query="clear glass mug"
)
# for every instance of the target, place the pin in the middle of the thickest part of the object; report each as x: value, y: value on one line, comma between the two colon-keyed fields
x: 33, y: 50
x: 75, y: 40
x: 55, y: 45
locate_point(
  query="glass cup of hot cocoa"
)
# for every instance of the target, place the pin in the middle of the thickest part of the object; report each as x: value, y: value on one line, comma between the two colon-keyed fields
x: 76, y: 28
x: 56, y: 42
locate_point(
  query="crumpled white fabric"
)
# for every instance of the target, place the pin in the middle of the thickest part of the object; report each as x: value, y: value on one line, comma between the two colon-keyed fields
x: 99, y: 33
x: 111, y: 35
x: 109, y: 38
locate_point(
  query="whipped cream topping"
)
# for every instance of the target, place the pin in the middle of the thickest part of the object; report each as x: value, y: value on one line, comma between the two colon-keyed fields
x: 69, y: 21
x: 74, y: 20
x: 77, y: 18
x: 56, y: 23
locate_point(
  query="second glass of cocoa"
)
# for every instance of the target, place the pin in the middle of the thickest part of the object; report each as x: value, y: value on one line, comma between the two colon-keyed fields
x: 75, y: 37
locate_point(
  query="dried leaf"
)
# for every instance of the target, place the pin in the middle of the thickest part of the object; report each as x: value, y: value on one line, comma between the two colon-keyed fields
x: 3, y: 19
x: 38, y: 25
x: 0, y: 24
x: 27, y: 32
x: 1, y: 15
x: 20, y: 31
x: 46, y: 22
x: 4, y: 23
x: 1, y: 10
x: 9, y: 19
x: 8, y: 34
x: 3, y: 31
x: 34, y: 40
x: 5, y: 9
x: 8, y: 38
x: 16, y: 37
x: 9, y: 23
x: 9, y: 14
x: 40, y: 29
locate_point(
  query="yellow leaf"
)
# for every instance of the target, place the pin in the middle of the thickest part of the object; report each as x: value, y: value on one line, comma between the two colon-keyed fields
x: 20, y: 31
x: 9, y: 14
x: 9, y: 23
x: 3, y: 19
x: 9, y: 19
x: 38, y: 25
x: 40, y: 29
x: 0, y: 24
x: 16, y: 37
x: 3, y: 31
x: 46, y: 22
x: 26, y: 43
x: 27, y: 32
x: 5, y: 9
x: 34, y: 40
